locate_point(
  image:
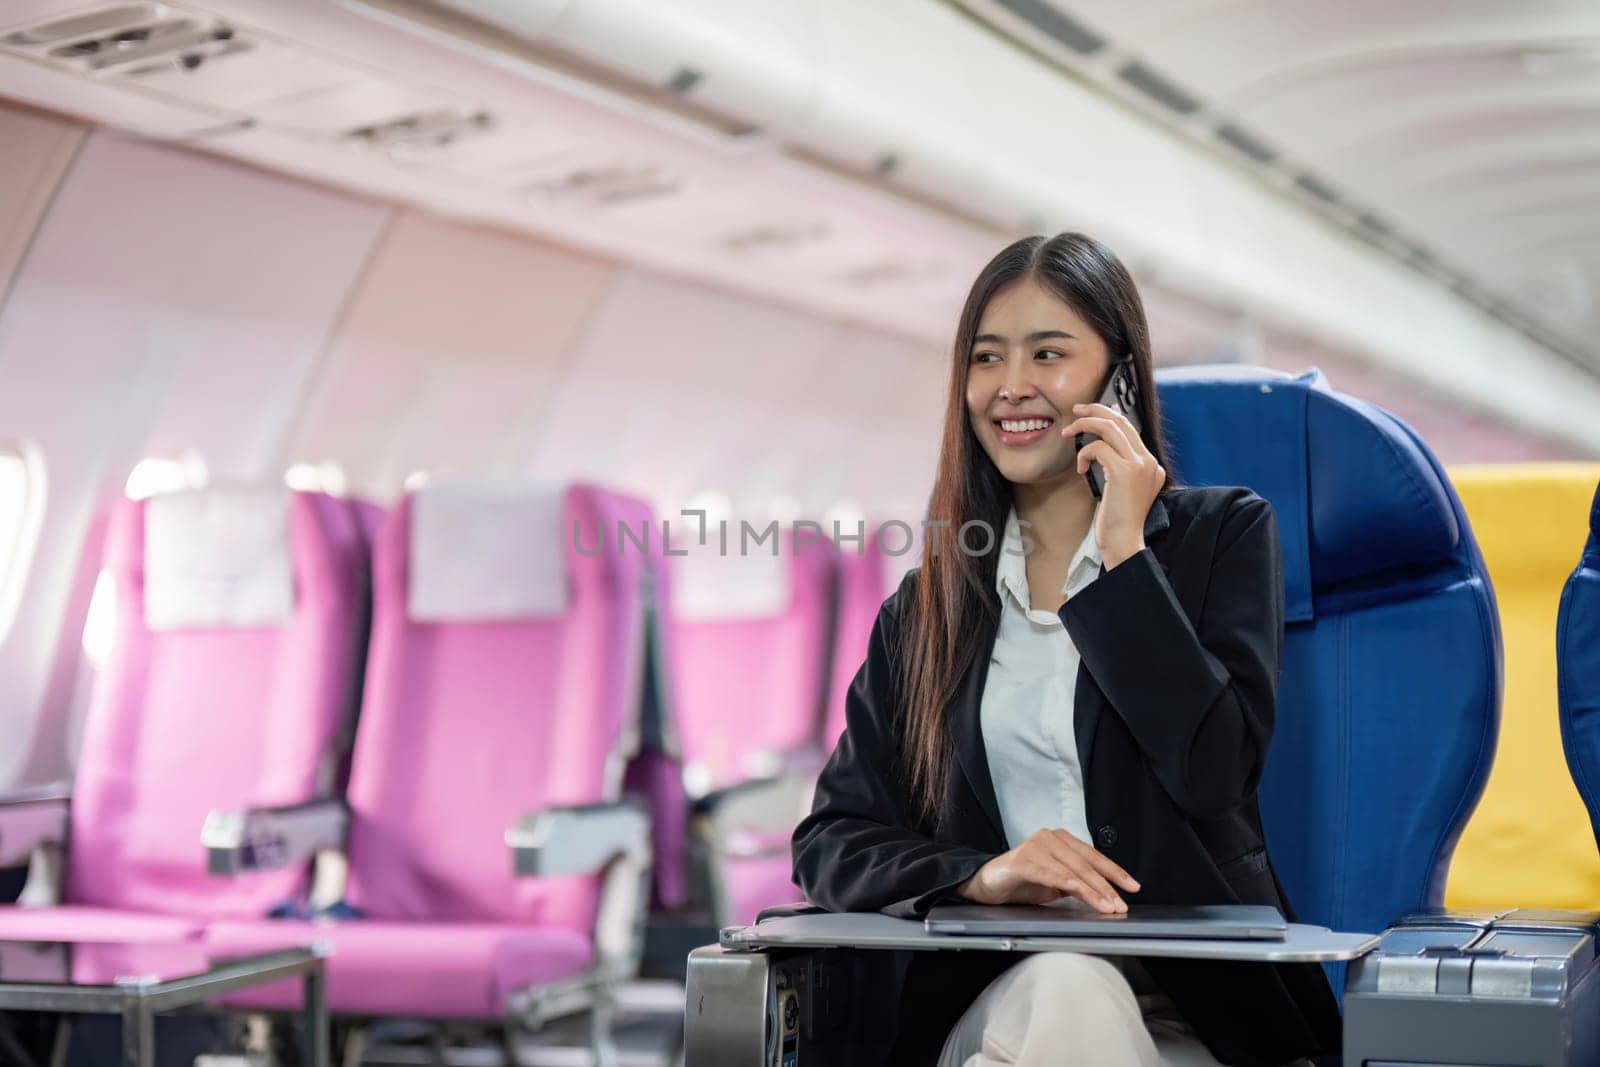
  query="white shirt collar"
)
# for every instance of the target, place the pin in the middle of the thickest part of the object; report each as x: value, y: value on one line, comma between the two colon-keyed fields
x: 1012, y: 571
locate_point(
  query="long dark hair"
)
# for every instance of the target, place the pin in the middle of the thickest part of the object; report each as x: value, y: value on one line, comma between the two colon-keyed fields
x: 953, y: 588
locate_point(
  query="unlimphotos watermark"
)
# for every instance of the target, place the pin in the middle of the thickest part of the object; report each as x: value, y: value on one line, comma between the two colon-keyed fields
x: 894, y: 537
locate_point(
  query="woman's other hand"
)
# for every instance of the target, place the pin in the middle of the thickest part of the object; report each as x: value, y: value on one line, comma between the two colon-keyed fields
x: 1049, y: 865
x: 1133, y: 479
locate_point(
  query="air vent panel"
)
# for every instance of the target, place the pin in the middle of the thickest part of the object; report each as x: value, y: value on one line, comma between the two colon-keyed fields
x: 887, y: 272
x: 128, y: 39
x: 1056, y: 25
x: 605, y: 185
x: 1315, y: 186
x: 1373, y: 225
x: 74, y: 27
x: 1246, y: 142
x: 775, y: 236
x: 1159, y: 88
x: 422, y: 133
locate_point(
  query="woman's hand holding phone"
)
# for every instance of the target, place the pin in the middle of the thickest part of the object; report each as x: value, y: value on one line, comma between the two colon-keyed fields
x: 1049, y: 865
x: 1133, y: 479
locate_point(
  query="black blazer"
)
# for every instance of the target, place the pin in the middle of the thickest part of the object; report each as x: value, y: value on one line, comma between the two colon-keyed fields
x: 1179, y: 650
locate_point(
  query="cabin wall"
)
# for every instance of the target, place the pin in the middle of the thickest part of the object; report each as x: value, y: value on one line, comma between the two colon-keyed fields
x: 163, y: 300
x: 159, y: 302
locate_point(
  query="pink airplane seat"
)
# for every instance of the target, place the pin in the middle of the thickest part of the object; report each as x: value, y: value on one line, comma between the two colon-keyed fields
x: 746, y: 650
x: 502, y: 689
x: 866, y: 579
x: 655, y: 773
x: 240, y: 622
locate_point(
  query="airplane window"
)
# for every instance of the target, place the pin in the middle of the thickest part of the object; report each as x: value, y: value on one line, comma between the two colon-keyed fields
x: 166, y: 474
x: 714, y: 502
x: 426, y: 476
x: 325, y: 477
x: 97, y: 625
x: 784, y: 508
x: 847, y: 513
x: 21, y: 509
x: 151, y: 475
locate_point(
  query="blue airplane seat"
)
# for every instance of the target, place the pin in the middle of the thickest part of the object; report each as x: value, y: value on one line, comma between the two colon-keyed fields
x: 1389, y: 694
x: 1578, y: 670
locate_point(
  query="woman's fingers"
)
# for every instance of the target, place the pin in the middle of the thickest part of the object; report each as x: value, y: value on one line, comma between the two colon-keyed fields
x: 1102, y: 863
x: 1054, y: 861
x: 1112, y: 460
x: 1097, y: 450
x: 1104, y: 412
x: 1082, y: 869
x: 1108, y: 896
x: 1111, y: 433
x: 1096, y: 867
x: 1051, y: 873
x: 1035, y: 866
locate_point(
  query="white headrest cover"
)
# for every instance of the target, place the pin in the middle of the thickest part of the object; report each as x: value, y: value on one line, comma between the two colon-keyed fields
x: 710, y: 587
x: 217, y: 558
x: 481, y: 553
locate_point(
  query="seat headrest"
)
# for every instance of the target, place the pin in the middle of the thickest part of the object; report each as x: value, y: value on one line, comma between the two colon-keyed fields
x: 710, y: 585
x: 218, y: 557
x: 1355, y: 492
x: 486, y: 552
x: 745, y: 572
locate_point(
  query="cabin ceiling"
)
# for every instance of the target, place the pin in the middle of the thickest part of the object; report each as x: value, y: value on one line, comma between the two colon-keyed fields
x: 765, y: 148
x: 1464, y: 131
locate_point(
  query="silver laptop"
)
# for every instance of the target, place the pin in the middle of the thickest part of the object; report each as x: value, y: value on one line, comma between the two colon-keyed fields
x: 1248, y: 922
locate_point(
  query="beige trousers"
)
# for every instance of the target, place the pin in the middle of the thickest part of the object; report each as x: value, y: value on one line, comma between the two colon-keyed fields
x: 1061, y: 1008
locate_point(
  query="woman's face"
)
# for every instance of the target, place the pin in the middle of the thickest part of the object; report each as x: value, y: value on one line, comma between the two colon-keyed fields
x: 1032, y: 359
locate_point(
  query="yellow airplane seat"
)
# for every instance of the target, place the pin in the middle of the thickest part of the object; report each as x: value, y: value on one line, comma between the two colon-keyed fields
x: 1529, y: 843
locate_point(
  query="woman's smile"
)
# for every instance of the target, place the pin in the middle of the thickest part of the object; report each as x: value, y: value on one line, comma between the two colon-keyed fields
x: 1020, y: 432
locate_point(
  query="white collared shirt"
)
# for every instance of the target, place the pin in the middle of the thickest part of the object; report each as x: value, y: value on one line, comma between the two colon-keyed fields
x: 1027, y: 705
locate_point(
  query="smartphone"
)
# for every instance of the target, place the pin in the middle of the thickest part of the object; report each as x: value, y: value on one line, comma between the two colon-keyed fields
x: 1121, y: 394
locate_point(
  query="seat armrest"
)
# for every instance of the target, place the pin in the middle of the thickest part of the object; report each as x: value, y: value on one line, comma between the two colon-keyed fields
x: 32, y: 818
x: 265, y: 838
x: 801, y: 760
x: 750, y: 818
x: 579, y: 838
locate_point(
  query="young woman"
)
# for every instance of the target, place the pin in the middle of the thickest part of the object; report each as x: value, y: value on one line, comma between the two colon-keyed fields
x: 1073, y: 709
